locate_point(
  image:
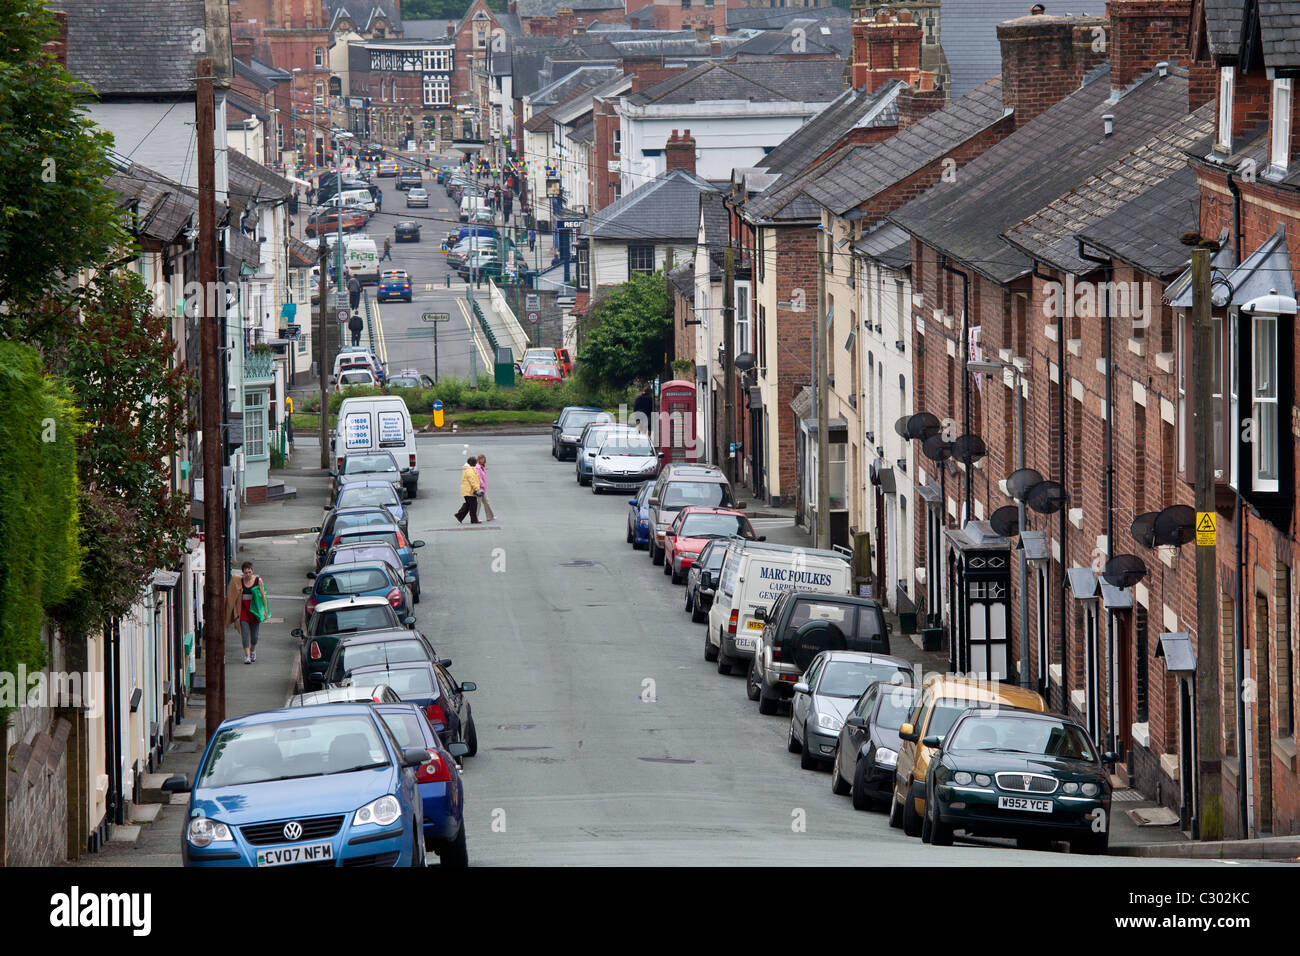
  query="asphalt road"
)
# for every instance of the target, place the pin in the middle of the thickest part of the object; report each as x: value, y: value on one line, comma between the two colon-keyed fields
x: 604, y: 736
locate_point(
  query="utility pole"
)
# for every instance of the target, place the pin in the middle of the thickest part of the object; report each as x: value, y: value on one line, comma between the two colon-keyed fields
x: 1207, y: 821
x: 821, y: 350
x: 322, y: 351
x: 728, y: 367
x: 213, y: 306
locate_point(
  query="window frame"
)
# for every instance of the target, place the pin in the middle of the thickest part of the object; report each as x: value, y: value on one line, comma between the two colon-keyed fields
x: 1279, y: 152
x: 1259, y: 441
x: 635, y: 252
x: 742, y: 318
x: 1223, y: 135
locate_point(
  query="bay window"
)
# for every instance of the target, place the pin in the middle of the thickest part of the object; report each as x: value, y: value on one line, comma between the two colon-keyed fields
x: 1224, y: 139
x: 743, y: 339
x: 1279, y: 155
x: 1265, y: 438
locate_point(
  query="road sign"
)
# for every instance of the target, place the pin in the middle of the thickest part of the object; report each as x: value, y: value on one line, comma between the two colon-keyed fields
x: 343, y: 315
x: 1206, y: 531
x: 436, y: 317
x: 532, y: 318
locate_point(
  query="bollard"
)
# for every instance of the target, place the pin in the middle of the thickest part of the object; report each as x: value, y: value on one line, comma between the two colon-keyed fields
x: 437, y: 414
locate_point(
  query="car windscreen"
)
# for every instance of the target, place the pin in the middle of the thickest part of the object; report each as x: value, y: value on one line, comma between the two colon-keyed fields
x: 379, y: 654
x: 715, y: 526
x: 356, y: 581
x: 352, y: 619
x: 701, y: 494
x: 355, y: 497
x: 405, y: 681
x: 896, y: 703
x: 633, y: 445
x: 850, y: 678
x: 578, y: 417
x: 1010, y: 733
x: 359, y: 464
x: 286, y: 749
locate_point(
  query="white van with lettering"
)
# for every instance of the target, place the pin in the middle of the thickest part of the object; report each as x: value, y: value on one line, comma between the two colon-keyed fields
x: 378, y: 423
x: 753, y: 575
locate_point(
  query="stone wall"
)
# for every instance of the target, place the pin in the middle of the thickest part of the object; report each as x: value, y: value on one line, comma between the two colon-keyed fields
x: 36, y: 804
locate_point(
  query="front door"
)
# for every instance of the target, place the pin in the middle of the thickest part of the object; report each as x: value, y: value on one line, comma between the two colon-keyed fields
x: 1123, y: 624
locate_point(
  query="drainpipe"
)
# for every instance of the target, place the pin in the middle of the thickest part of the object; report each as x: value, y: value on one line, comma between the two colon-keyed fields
x: 965, y: 378
x: 1239, y: 565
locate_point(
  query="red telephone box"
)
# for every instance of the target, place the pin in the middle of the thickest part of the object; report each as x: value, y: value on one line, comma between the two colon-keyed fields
x: 675, y: 425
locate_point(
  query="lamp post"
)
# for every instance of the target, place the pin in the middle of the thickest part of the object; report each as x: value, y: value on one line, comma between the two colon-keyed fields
x: 997, y: 368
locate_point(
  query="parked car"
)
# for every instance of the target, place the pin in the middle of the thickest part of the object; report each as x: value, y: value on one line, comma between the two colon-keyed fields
x: 483, y: 262
x: 356, y: 378
x: 825, y: 696
x: 367, y: 466
x: 406, y: 231
x: 390, y: 534
x: 324, y: 785
x: 332, y: 621
x: 567, y: 427
x: 867, y: 753
x: 638, y: 516
x: 357, y: 552
x: 350, y: 356
x: 441, y: 175
x: 702, y: 579
x: 331, y: 220
x: 680, y: 486
x: 394, y: 284
x: 438, y: 781
x: 802, y: 623
x: 429, y: 685
x: 417, y: 197
x: 541, y: 372
x: 376, y: 648
x: 942, y: 701
x: 1032, y: 776
x: 360, y: 694
x: 593, y: 437
x: 410, y: 378
x: 371, y: 153
x: 371, y: 494
x: 340, y: 519
x: 622, y: 462
x: 546, y: 355
x: 364, y: 579
x: 379, y: 424
x: 388, y: 167
x: 409, y: 179
x: 693, y: 528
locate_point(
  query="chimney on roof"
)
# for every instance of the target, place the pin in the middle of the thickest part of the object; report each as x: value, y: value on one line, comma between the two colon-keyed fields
x: 704, y: 32
x: 915, y: 105
x: 59, y: 45
x: 1144, y: 32
x: 1039, y: 67
x: 679, y: 152
x: 887, y: 48
x: 579, y: 27
x: 1091, y: 43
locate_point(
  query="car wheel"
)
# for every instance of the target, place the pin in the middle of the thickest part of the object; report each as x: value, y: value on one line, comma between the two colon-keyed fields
x: 895, y: 813
x: 553, y: 454
x: 454, y: 854
x: 690, y: 604
x: 791, y: 742
x: 577, y: 476
x: 710, y: 652
x: 753, y: 686
x: 471, y: 738
x: 630, y: 539
x: 926, y: 823
x: 911, y: 819
x: 1095, y: 844
x: 668, y: 567
x: 415, y: 595
x: 767, y: 704
x: 940, y: 835
x: 724, y: 662
x: 808, y: 760
x: 839, y: 786
x: 861, y: 801
x: 656, y: 554
x: 698, y: 616
x: 594, y: 489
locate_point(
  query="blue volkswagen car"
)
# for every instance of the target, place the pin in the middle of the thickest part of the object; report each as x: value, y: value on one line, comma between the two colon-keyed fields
x: 327, y: 785
x: 638, y: 517
x: 438, y: 780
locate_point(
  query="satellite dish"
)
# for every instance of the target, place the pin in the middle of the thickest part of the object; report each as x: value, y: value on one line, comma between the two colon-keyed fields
x: 1019, y: 482
x: 745, y: 361
x: 1124, y: 570
x: 1046, y: 497
x: 1006, y: 521
x: 969, y: 449
x: 922, y: 425
x: 936, y: 449
x: 1143, y: 529
x: 900, y: 426
x: 1176, y: 525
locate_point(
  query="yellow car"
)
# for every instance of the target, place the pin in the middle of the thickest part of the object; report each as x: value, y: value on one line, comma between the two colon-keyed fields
x: 941, y: 702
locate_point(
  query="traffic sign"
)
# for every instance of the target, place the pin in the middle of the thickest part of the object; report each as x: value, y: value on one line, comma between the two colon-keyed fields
x: 1206, y: 530
x: 343, y: 315
x: 532, y: 318
x: 436, y: 317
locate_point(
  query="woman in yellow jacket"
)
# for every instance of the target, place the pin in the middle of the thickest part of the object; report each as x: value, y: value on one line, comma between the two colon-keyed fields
x: 469, y: 489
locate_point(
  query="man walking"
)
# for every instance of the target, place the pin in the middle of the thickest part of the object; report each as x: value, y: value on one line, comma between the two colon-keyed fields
x: 388, y: 251
x: 469, y: 489
x: 354, y: 291
x: 355, y: 326
x: 642, y: 411
x: 479, y: 469
x: 532, y: 239
x: 247, y: 607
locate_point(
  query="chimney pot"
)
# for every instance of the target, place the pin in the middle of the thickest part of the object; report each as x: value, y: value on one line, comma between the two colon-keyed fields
x: 1108, y: 121
x: 1037, y: 10
x: 1162, y: 68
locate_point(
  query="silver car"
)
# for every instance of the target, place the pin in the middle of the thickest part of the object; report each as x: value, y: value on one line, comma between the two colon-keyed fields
x: 594, y: 435
x: 367, y: 467
x: 623, y: 462
x: 826, y: 694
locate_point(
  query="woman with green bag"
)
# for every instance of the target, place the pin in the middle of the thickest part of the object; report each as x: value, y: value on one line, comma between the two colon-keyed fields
x: 247, y: 604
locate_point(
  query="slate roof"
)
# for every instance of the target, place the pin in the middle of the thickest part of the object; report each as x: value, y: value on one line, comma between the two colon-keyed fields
x: 852, y: 109
x: 427, y: 29
x: 549, y: 8
x: 717, y: 232
x: 773, y: 18
x: 1279, y: 29
x: 1223, y: 28
x: 821, y: 36
x: 301, y: 254
x: 542, y: 120
x: 873, y: 168
x: 759, y: 81
x: 163, y: 208
x: 258, y: 78
x: 364, y: 13
x: 664, y: 208
x: 787, y: 200
x: 682, y: 278
x: 140, y: 48
x: 1049, y: 234
x: 242, y: 250
x: 887, y: 244
x: 1144, y: 231
x: 250, y: 180
x: 564, y: 87
x: 1054, y: 153
x: 968, y: 35
x: 583, y: 133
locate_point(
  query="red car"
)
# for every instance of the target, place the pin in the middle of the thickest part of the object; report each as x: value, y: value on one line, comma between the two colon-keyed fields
x: 566, y: 363
x: 541, y: 372
x: 693, y: 529
x: 329, y: 222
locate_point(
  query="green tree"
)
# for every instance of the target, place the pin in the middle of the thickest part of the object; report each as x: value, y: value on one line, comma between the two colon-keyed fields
x: 57, y: 215
x: 117, y: 359
x: 443, y: 9
x: 624, y: 334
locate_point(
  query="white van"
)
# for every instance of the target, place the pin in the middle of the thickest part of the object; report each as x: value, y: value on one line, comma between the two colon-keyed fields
x: 752, y: 577
x: 378, y: 423
x: 361, y: 257
x: 351, y: 197
x: 470, y: 204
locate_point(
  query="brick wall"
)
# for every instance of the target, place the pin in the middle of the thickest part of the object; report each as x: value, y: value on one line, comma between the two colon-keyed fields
x: 887, y: 48
x: 1038, y: 64
x: 794, y: 266
x: 1144, y: 32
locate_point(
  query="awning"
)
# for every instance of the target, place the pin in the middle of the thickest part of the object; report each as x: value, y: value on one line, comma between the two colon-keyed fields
x: 1035, y: 545
x: 165, y: 580
x: 976, y: 534
x: 886, y: 480
x: 838, y: 425
x: 929, y: 492
x: 1116, y: 599
x: 755, y: 397
x: 1177, y: 650
x: 1266, y: 271
x: 1083, y: 583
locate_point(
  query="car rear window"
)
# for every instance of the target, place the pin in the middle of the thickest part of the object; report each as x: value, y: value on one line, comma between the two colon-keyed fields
x: 405, y: 682
x: 350, y: 620
x: 360, y: 555
x: 702, y: 494
x: 381, y: 653
x: 840, y: 615
x: 359, y: 536
x: 361, y: 520
x: 351, y: 582
x: 360, y: 464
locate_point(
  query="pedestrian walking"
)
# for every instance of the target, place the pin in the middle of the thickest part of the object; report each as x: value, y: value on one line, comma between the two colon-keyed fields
x: 388, y: 251
x: 469, y: 489
x: 379, y: 200
x: 247, y: 607
x: 355, y: 326
x: 482, y: 487
x: 532, y: 239
x: 354, y: 291
x: 642, y: 410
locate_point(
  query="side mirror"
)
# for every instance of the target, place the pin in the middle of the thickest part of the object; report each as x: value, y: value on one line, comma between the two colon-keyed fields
x: 555, y: 424
x: 306, y: 590
x: 934, y: 742
x: 1109, y: 758
x: 417, y: 544
x: 654, y: 502
x: 297, y: 632
x: 907, y: 732
x: 631, y: 501
x: 409, y: 620
x: 706, y: 579
x: 458, y: 750
x: 801, y: 687
x: 177, y: 784
x: 317, y: 530
x: 414, y: 756
x: 468, y: 686
x: 444, y: 662
x: 762, y: 537
x: 325, y: 507
x: 311, y: 575
x: 857, y: 722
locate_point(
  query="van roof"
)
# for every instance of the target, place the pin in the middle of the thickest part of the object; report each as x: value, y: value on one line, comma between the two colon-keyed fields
x: 749, y: 545
x: 952, y: 687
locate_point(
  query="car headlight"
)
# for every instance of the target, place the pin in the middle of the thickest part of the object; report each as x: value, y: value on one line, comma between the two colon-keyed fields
x: 983, y: 779
x: 382, y: 811
x: 886, y: 757
x: 1069, y: 788
x: 203, y: 830
x: 829, y: 722
x: 568, y: 438
x: 1090, y: 789
x: 962, y: 778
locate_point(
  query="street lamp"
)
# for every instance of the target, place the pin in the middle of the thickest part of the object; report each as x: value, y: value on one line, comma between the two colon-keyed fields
x: 997, y: 368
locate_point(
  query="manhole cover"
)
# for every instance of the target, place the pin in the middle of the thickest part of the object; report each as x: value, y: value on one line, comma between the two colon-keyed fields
x: 665, y: 760
x: 578, y: 563
x: 515, y: 726
x: 521, y: 748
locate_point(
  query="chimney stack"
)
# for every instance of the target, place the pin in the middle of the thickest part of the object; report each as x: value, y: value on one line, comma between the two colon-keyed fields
x: 704, y: 32
x: 59, y: 45
x: 679, y: 152
x: 1144, y: 32
x: 887, y: 48
x: 1039, y: 68
x: 914, y: 105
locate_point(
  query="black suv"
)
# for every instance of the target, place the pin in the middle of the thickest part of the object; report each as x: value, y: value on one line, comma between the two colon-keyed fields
x: 799, y: 626
x: 409, y: 178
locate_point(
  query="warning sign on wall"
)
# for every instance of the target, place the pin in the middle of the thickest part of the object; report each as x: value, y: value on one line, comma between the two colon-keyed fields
x: 1206, y: 531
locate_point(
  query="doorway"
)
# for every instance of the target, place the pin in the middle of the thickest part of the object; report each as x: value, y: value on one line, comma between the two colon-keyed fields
x: 1123, y: 625
x: 1263, y: 719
